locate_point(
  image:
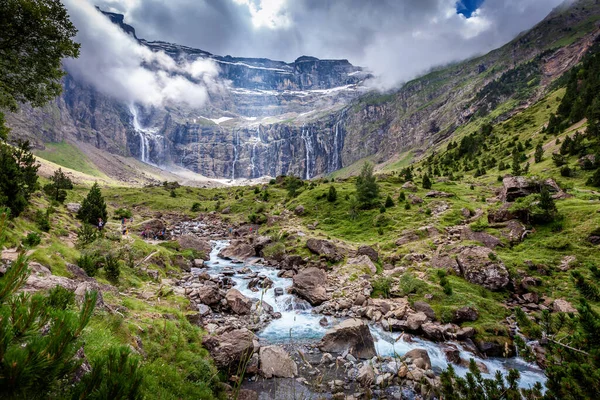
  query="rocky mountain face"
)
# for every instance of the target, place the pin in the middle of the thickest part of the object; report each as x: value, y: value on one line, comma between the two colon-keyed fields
x: 311, y: 117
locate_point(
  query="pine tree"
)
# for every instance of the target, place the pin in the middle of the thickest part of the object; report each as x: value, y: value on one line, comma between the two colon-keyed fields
x: 18, y: 176
x: 401, y: 197
x: 547, y: 205
x: 539, y: 153
x: 60, y: 184
x: 93, y: 207
x: 426, y: 182
x: 389, y: 202
x: 516, y: 165
x: 332, y: 194
x: 367, y: 189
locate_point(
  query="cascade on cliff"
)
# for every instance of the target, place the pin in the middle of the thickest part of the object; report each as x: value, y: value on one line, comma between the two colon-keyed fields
x: 308, y: 149
x: 254, y: 173
x: 236, y: 143
x: 146, y: 135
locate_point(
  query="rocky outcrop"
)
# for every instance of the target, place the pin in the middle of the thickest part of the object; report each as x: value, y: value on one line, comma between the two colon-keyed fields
x: 237, y: 302
x: 465, y: 314
x: 563, y: 306
x: 324, y: 249
x: 191, y: 242
x: 230, y: 348
x: 361, y: 264
x: 481, y: 266
x: 309, y: 284
x: 484, y: 238
x: 276, y: 362
x: 369, y: 252
x: 353, y: 336
x: 420, y: 358
x: 238, y: 250
x: 515, y: 187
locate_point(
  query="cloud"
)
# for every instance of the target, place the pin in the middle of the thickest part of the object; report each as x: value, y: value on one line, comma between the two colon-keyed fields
x: 117, y: 65
x: 395, y: 39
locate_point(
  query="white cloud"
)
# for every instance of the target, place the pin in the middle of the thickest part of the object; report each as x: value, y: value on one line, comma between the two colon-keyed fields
x: 117, y: 65
x: 267, y: 13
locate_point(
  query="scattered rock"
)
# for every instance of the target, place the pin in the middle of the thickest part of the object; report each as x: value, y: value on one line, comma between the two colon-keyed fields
x: 73, y: 207
x: 209, y: 295
x: 411, y: 187
x: 420, y: 358
x: 484, y: 238
x: 309, y: 285
x: 362, y: 263
x: 515, y: 187
x: 299, y: 210
x: 191, y: 242
x: 438, y: 194
x: 414, y: 321
x: 324, y: 249
x: 465, y: 314
x: 351, y: 335
x: 228, y: 349
x: 238, y: 250
x: 369, y: 252
x: 414, y: 199
x: 366, y: 375
x: 481, y: 266
x: 561, y: 305
x: 238, y: 303
x: 276, y: 362
x: 425, y: 308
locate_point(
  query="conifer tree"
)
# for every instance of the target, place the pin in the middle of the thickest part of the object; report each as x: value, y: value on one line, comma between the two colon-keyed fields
x: 426, y: 182
x: 539, y: 153
x: 389, y: 202
x: 93, y: 207
x: 332, y: 194
x: 367, y: 189
x: 60, y: 184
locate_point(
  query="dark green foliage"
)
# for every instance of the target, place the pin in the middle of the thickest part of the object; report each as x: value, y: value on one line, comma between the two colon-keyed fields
x: 382, y: 209
x: 587, y: 289
x: 406, y: 174
x: 173, y: 193
x: 60, y: 298
x: 389, y: 202
x: 426, y: 182
x: 196, y: 207
x: 89, y: 264
x: 112, y: 268
x: 32, y: 239
x: 547, y: 205
x: 566, y: 171
x: 558, y: 159
x: 93, y: 207
x: 331, y: 194
x: 57, y: 190
x: 382, y: 287
x: 401, y: 197
x: 18, y: 173
x: 367, y: 189
x: 516, y: 164
x: 86, y: 234
x: 42, y: 220
x: 292, y: 184
x: 407, y: 206
x: 594, y: 180
x: 258, y: 219
x: 36, y: 36
x: 122, y: 213
x: 444, y: 282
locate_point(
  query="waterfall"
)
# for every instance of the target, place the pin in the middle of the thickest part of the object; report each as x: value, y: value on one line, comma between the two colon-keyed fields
x: 236, y: 142
x: 308, y: 148
x: 256, y: 140
x: 335, y: 158
x: 143, y: 134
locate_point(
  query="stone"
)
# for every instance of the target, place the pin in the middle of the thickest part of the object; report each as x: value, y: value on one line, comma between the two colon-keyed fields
x: 209, y: 295
x: 362, y: 264
x: 278, y: 291
x: 411, y: 187
x: 204, y: 310
x: 484, y: 238
x: 325, y: 249
x: 414, y: 199
x: 515, y: 187
x: 299, y: 210
x: 276, y: 362
x: 515, y: 231
x: 369, y: 252
x: 323, y: 322
x: 366, y: 376
x: 238, y: 250
x: 452, y: 354
x: 198, y: 263
x: 309, y: 285
x: 73, y: 208
x: 445, y: 261
x: 465, y: 212
x: 229, y: 348
x: 479, y: 265
x: 465, y: 314
x: 247, y: 394
x: 351, y: 335
x: 191, y: 242
x: 238, y: 303
x: 415, y: 320
x: 425, y: 308
x: 419, y: 354
x: 563, y: 306
x: 438, y: 194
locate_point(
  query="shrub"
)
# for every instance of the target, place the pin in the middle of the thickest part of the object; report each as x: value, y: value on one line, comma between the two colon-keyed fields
x: 566, y: 171
x: 367, y: 189
x: 382, y: 209
x: 42, y: 220
x: 426, y: 182
x: 122, y: 213
x: 407, y: 206
x: 381, y: 220
x: 60, y: 298
x: 332, y: 194
x: 32, y: 239
x: 112, y: 268
x: 173, y: 193
x: 382, y: 287
x: 389, y: 202
x: 401, y: 197
x: 86, y: 234
x: 274, y: 251
x: 196, y: 207
x: 93, y: 207
x: 89, y: 264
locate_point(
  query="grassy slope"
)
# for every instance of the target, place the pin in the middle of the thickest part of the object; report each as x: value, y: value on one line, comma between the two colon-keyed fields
x: 69, y: 156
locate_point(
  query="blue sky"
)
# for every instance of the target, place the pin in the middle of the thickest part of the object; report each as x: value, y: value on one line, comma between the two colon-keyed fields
x: 467, y: 7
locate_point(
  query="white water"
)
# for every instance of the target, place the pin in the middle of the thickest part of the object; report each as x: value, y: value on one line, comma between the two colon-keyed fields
x: 144, y: 134
x: 308, y: 149
x: 335, y: 159
x: 256, y: 140
x: 236, y: 142
x: 299, y: 324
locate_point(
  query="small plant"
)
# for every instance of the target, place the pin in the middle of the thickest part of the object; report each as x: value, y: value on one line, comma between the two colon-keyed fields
x: 122, y: 213
x: 32, y: 239
x: 382, y: 209
x: 60, y: 298
x: 401, y: 197
x: 382, y: 287
x: 89, y: 264
x: 173, y: 193
x: 332, y: 194
x: 86, y: 234
x: 112, y: 268
x: 407, y: 206
x: 196, y: 207
x: 389, y: 202
x: 42, y: 220
x: 492, y: 256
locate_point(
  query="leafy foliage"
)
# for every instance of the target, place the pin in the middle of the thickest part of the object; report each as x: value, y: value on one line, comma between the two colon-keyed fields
x: 60, y: 184
x: 93, y: 207
x: 367, y: 189
x: 18, y: 176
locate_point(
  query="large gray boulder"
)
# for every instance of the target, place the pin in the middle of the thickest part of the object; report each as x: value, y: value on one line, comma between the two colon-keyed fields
x: 230, y: 348
x: 514, y: 187
x: 352, y: 335
x: 238, y: 303
x: 276, y: 362
x: 209, y: 295
x: 369, y: 252
x: 191, y: 242
x: 420, y: 358
x: 484, y: 238
x: 324, y: 249
x: 238, y: 250
x: 309, y: 284
x: 482, y: 266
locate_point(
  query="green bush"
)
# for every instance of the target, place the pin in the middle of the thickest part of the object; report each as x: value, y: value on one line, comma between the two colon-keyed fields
x: 86, y: 234
x: 42, y: 220
x: 89, y: 264
x: 32, y: 239
x: 122, y: 213
x: 112, y: 268
x: 274, y: 250
x: 332, y: 194
x: 196, y: 207
x: 60, y: 298
x: 382, y: 287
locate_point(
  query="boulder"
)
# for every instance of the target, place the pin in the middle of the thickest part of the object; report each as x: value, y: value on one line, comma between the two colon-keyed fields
x: 515, y: 231
x: 369, y: 252
x: 415, y: 320
x: 414, y: 199
x: 515, y: 187
x: 191, y: 242
x: 353, y: 336
x: 484, y: 238
x: 324, y: 249
x: 362, y: 264
x: 502, y: 214
x: 238, y: 303
x: 561, y: 305
x: 438, y: 194
x: 276, y: 362
x: 230, y: 348
x: 481, y: 266
x: 209, y: 295
x: 309, y: 285
x: 366, y: 376
x: 299, y: 210
x: 465, y: 314
x: 420, y: 358
x: 238, y: 250
x: 411, y: 187
x: 425, y: 308
x: 445, y: 261
x: 73, y: 207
